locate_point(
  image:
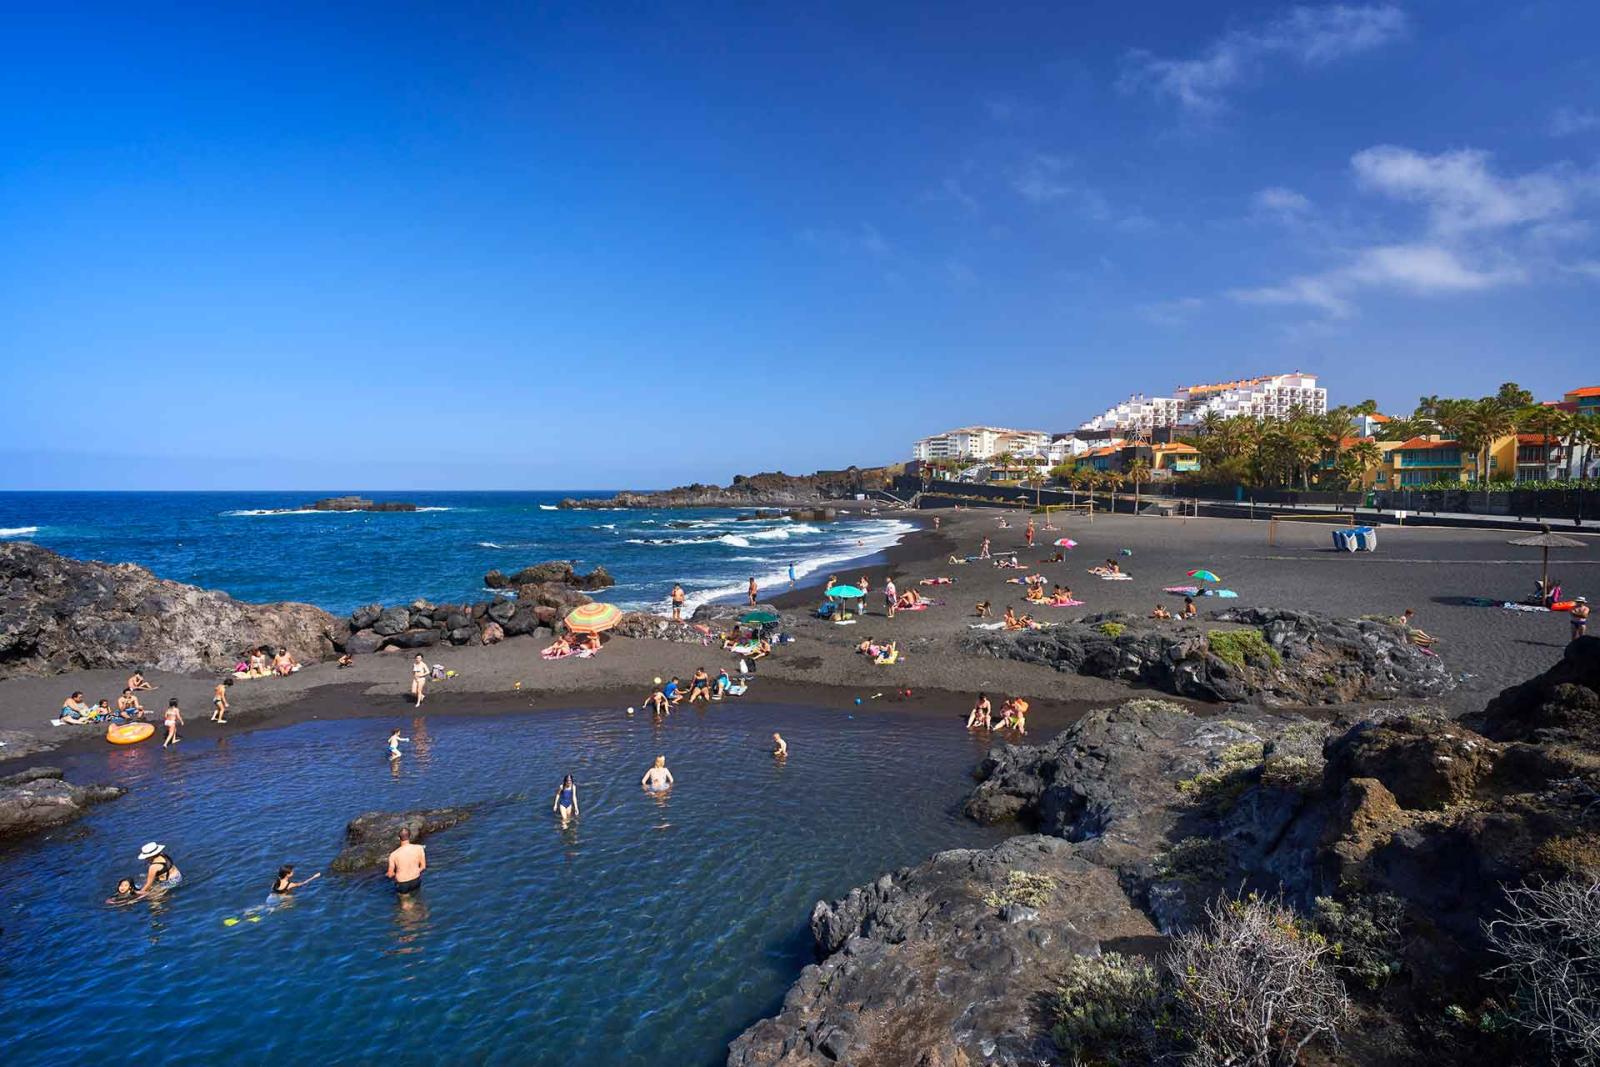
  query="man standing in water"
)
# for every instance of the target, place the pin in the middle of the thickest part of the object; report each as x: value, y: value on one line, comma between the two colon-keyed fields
x: 753, y: 590
x: 406, y: 864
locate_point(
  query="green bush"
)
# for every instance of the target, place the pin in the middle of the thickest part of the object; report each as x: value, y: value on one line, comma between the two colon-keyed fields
x: 1105, y: 1010
x: 1366, y: 933
x: 1194, y: 859
x: 1238, y: 768
x: 1111, y: 629
x: 1029, y: 890
x: 1293, y: 759
x: 1241, y: 647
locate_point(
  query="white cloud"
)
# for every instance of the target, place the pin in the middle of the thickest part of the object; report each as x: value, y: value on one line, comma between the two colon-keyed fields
x: 1458, y: 189
x: 1480, y: 230
x: 1045, y: 181
x: 1570, y: 120
x: 1280, y: 202
x: 1309, y: 36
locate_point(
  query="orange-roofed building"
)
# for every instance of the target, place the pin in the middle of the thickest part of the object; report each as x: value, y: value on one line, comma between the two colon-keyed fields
x: 1586, y: 400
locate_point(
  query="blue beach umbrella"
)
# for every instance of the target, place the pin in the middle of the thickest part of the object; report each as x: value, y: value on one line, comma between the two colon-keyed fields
x: 848, y: 592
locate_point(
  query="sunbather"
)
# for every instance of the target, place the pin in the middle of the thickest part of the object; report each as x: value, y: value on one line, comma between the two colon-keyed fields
x: 983, y: 610
x: 1160, y: 612
x: 74, y: 710
x: 1012, y: 622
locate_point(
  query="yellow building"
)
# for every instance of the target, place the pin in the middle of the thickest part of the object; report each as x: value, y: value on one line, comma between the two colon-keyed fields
x: 1424, y: 460
x: 1175, y: 458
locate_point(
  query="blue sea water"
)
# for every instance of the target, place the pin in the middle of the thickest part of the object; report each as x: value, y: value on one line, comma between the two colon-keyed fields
x: 265, y: 547
x: 650, y: 933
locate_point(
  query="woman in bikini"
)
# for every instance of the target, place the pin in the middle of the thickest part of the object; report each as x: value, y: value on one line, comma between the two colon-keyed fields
x: 658, y: 779
x: 978, y: 718
x: 419, y: 678
x: 161, y: 872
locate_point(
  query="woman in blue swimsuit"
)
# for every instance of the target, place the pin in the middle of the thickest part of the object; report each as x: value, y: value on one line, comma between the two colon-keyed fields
x: 566, y: 803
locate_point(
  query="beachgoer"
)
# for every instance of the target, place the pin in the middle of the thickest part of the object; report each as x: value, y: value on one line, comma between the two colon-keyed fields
x: 1160, y: 613
x: 673, y: 691
x: 1189, y: 610
x: 173, y: 720
x: 657, y: 779
x: 890, y: 597
x: 658, y: 703
x: 832, y: 581
x: 1028, y: 534
x: 866, y: 587
x: 102, y: 709
x: 721, y: 684
x: 1011, y: 620
x: 406, y: 864
x: 284, y: 664
x: 125, y: 893
x: 128, y: 706
x: 137, y: 683
x: 752, y: 591
x: 700, y: 686
x: 983, y: 550
x: 419, y: 678
x: 983, y: 610
x: 394, y: 744
x: 763, y: 649
x: 284, y: 885
x: 566, y: 802
x: 780, y: 747
x: 257, y: 664
x: 161, y: 872
x: 677, y: 603
x: 1580, y: 617
x: 74, y: 710
x: 346, y: 660
x: 791, y: 576
x: 219, y: 701
x: 1019, y: 714
x: 979, y: 716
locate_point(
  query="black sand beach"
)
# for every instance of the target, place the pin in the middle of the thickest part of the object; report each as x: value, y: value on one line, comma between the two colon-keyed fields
x: 1432, y: 570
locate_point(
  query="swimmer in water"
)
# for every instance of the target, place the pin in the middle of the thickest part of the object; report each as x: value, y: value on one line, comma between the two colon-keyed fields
x: 125, y: 893
x: 657, y: 703
x: 780, y: 747
x: 284, y: 885
x: 566, y: 802
x: 658, y: 779
x: 394, y: 744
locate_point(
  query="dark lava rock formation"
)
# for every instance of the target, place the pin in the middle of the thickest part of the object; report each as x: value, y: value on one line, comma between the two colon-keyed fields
x: 1301, y: 658
x: 755, y: 490
x: 369, y: 838
x: 59, y: 614
x: 40, y: 799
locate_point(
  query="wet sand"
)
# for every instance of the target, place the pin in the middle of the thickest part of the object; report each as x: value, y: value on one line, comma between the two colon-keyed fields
x: 1433, y: 570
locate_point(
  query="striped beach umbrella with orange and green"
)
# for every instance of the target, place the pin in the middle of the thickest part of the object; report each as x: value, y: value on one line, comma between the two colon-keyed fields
x: 593, y: 618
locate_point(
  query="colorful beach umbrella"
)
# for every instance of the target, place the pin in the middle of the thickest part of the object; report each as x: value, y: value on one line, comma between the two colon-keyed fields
x: 759, y: 618
x: 593, y: 618
x: 1066, y: 542
x: 849, y: 592
x: 1204, y: 576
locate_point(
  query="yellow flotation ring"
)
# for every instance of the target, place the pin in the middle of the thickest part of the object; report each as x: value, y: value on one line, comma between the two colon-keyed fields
x: 129, y: 733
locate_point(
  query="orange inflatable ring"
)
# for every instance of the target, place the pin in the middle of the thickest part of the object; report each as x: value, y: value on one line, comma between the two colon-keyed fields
x: 129, y: 733
x: 1562, y: 605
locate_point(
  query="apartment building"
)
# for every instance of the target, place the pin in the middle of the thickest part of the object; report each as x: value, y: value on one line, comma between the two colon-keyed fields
x: 979, y: 442
x: 1272, y: 396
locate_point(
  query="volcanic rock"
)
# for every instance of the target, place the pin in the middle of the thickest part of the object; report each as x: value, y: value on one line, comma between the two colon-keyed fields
x: 369, y: 838
x: 40, y: 799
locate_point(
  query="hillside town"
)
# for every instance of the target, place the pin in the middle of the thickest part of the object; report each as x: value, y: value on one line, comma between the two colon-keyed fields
x: 1279, y: 430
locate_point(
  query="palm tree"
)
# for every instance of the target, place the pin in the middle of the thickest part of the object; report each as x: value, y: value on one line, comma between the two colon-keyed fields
x: 1138, y: 474
x: 1581, y: 429
x: 1490, y: 420
x: 1549, y: 423
x: 1210, y: 423
x: 1113, y: 480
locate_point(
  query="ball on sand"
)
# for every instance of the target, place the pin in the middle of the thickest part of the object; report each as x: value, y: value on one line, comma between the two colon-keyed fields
x: 630, y: 711
x: 656, y: 680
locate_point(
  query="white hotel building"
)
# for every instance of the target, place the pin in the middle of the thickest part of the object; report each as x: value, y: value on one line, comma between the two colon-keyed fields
x: 1271, y: 396
x: 979, y: 442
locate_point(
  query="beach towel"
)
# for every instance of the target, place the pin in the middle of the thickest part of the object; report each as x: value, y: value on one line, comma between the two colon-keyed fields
x: 1183, y: 590
x: 1226, y: 594
x: 884, y: 661
x: 1116, y: 577
x: 737, y: 690
x: 913, y: 607
x: 1064, y: 603
x: 745, y: 649
x: 985, y: 625
x: 1509, y: 606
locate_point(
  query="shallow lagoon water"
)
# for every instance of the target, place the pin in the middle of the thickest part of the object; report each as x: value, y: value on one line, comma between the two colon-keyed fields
x: 651, y: 932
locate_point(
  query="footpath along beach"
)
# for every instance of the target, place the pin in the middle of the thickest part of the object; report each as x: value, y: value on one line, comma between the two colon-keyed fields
x: 1444, y: 575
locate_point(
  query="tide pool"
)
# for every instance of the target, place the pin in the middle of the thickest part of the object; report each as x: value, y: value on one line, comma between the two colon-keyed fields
x: 652, y: 931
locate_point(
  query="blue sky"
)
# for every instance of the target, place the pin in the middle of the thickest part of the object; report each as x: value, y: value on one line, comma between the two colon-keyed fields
x: 437, y: 246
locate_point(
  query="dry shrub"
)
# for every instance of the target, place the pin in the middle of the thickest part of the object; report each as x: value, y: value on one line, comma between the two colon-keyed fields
x: 1550, y: 938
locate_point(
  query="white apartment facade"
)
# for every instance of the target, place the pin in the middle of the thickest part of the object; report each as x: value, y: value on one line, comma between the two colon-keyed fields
x: 979, y: 442
x: 1270, y: 396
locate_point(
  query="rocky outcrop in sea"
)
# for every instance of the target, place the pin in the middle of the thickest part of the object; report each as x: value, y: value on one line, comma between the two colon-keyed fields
x: 774, y: 489
x: 39, y: 798
x: 1412, y: 823
x: 369, y: 838
x: 59, y: 614
x: 1293, y: 658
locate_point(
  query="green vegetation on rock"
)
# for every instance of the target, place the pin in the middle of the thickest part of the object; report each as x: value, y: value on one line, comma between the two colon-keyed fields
x: 1240, y: 648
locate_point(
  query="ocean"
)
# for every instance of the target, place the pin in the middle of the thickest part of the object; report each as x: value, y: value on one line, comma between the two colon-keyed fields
x: 266, y: 547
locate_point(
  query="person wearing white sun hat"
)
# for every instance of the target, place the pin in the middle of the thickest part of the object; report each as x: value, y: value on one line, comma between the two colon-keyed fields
x: 161, y: 872
x: 1579, y: 617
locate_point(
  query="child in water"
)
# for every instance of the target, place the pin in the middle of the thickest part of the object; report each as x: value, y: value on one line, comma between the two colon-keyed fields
x: 394, y: 744
x: 125, y: 893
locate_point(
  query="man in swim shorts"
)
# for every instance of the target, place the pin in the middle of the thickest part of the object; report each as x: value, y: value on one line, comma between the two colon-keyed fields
x: 677, y: 603
x: 406, y: 864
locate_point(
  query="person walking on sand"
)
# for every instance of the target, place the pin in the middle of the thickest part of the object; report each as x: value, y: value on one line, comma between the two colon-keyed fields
x: 173, y: 719
x: 658, y: 779
x: 866, y: 588
x: 1027, y: 535
x: 566, y: 802
x: 983, y: 550
x: 780, y: 747
x: 791, y: 576
x: 1579, y: 617
x: 406, y: 864
x: 677, y: 602
x: 753, y: 590
x: 219, y: 701
x: 891, y: 596
x: 419, y: 678
x: 394, y: 744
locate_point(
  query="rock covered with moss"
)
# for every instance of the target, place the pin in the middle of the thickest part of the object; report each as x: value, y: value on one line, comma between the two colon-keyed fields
x: 1249, y: 654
